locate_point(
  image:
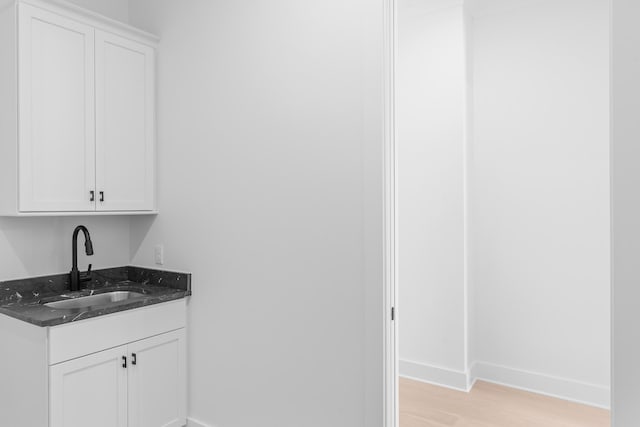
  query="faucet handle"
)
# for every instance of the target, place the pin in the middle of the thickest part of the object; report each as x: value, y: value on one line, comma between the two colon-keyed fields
x: 85, y: 277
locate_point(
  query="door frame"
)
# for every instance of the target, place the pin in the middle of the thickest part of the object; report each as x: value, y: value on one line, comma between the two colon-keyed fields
x: 391, y: 412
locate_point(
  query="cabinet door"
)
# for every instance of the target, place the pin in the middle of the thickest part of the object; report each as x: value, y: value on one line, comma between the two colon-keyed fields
x: 125, y: 124
x: 157, y: 381
x: 89, y: 391
x: 56, y: 105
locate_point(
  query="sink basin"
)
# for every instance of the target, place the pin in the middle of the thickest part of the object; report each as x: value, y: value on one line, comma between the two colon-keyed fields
x: 95, y: 300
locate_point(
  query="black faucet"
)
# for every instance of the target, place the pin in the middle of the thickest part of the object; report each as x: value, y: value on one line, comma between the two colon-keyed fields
x: 76, y: 276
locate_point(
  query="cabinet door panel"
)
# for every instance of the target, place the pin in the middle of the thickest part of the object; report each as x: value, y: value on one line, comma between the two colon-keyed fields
x: 89, y: 391
x: 125, y: 127
x: 56, y: 93
x: 157, y: 385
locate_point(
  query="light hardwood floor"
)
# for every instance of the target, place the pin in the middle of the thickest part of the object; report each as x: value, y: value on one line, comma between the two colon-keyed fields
x: 490, y: 405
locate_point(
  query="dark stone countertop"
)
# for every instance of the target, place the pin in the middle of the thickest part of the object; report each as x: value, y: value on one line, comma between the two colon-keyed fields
x: 24, y: 299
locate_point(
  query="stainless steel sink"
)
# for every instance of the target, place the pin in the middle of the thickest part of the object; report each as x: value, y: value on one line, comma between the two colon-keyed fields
x: 95, y: 300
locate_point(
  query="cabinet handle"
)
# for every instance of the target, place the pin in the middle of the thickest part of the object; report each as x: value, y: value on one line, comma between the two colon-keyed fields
x: 92, y: 196
x: 102, y: 196
x: 124, y: 362
x: 134, y: 359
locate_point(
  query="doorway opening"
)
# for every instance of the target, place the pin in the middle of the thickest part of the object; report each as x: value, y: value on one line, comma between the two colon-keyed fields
x: 498, y: 211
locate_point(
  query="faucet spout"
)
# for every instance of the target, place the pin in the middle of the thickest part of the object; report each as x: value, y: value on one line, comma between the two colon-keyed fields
x: 75, y: 277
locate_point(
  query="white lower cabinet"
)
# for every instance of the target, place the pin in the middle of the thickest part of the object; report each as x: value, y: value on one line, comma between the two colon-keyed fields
x: 156, y: 381
x: 140, y: 384
x: 89, y: 391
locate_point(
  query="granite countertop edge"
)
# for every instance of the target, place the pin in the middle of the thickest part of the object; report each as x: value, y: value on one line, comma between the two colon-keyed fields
x: 25, y: 299
x: 93, y: 313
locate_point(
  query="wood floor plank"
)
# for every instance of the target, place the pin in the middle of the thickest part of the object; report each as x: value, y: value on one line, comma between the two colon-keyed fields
x: 491, y: 405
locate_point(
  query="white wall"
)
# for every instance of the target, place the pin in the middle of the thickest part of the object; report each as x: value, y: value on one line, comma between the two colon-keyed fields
x: 41, y: 246
x: 115, y: 9
x: 270, y: 144
x: 431, y: 115
x: 540, y: 174
x: 626, y: 212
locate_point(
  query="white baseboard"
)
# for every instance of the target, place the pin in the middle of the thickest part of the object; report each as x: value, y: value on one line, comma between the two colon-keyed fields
x: 562, y: 388
x: 191, y: 422
x: 444, y: 377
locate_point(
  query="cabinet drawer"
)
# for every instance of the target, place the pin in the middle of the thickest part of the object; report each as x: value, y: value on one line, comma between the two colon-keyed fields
x: 84, y: 337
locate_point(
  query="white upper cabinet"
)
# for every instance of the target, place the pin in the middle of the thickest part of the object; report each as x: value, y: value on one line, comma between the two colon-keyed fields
x: 84, y: 138
x: 125, y: 129
x: 56, y: 92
